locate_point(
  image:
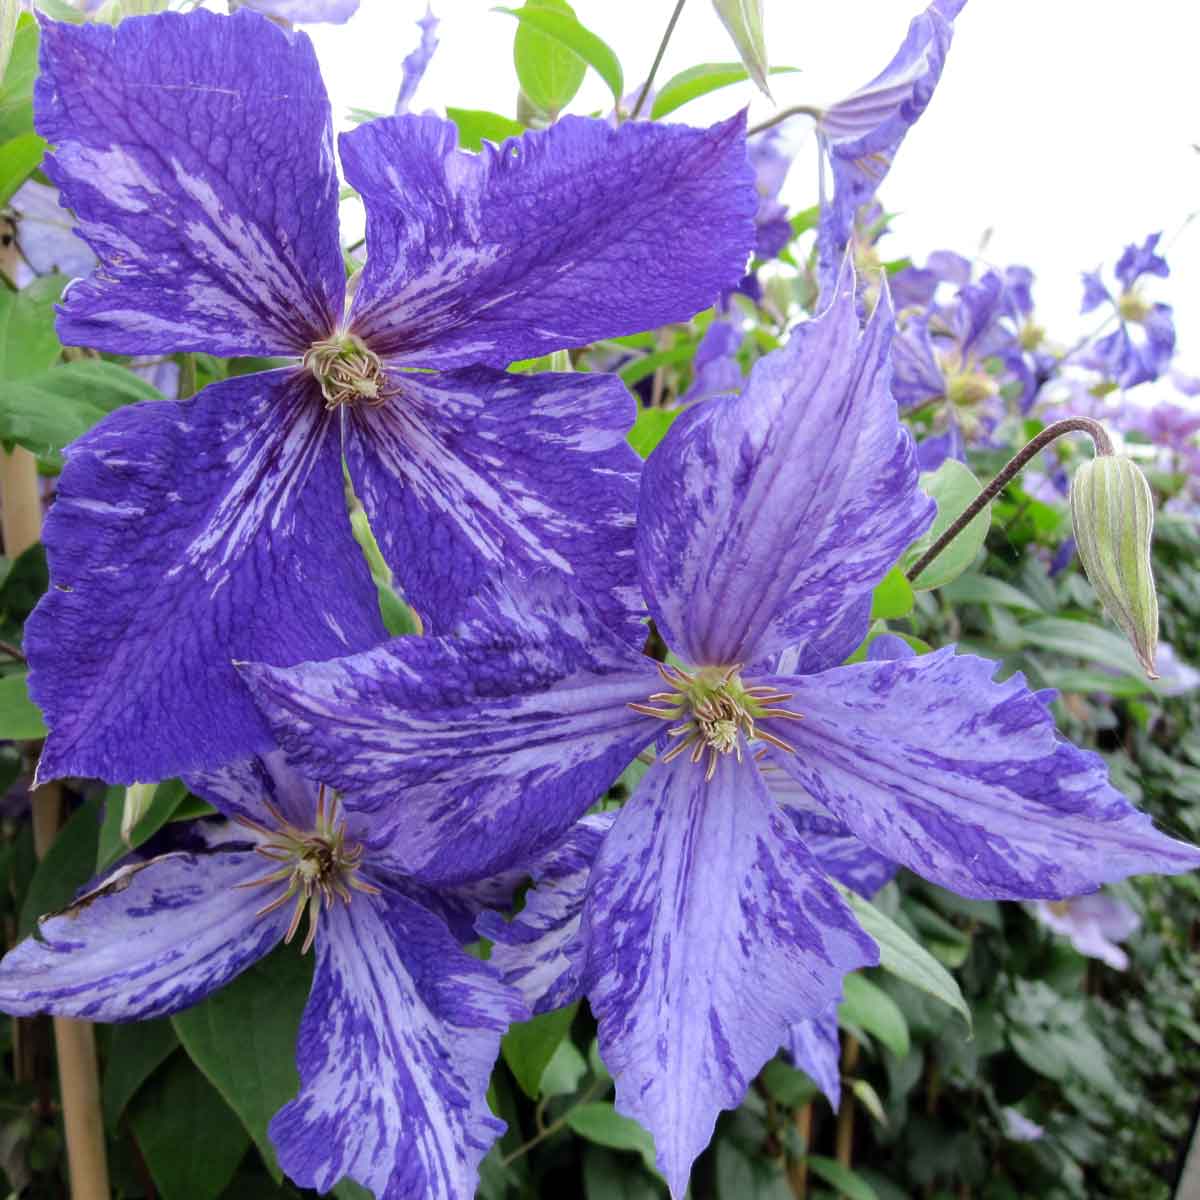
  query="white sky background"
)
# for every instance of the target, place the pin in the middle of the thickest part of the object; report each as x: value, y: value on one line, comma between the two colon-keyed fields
x: 1063, y: 126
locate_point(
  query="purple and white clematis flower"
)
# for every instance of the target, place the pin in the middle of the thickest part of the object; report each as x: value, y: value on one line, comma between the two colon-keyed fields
x: 860, y: 134
x: 197, y: 153
x: 1095, y: 924
x: 1140, y: 349
x: 402, y: 1027
x: 709, y: 928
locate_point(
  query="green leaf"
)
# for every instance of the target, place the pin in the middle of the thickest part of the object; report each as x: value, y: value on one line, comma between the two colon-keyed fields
x: 744, y: 21
x: 168, y: 796
x: 47, y: 411
x: 599, y: 1122
x: 869, y: 1007
x: 566, y: 30
x: 742, y: 1176
x: 1080, y: 639
x: 529, y: 1045
x: 1068, y: 679
x: 243, y: 1038
x: 893, y: 598
x: 868, y: 1097
x: 790, y: 1086
x: 65, y: 869
x: 16, y: 91
x: 564, y: 1071
x: 190, y: 1140
x: 953, y: 487
x: 9, y: 11
x: 904, y: 958
x: 20, y: 719
x: 549, y: 72
x: 18, y: 158
x: 608, y: 1176
x: 28, y: 343
x: 842, y: 1178
x: 474, y: 125
x: 698, y: 81
x: 983, y: 589
x: 650, y: 428
x: 135, y: 1052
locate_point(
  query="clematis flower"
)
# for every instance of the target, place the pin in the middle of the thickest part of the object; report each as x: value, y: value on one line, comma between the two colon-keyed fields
x: 1140, y: 349
x: 197, y: 153
x: 709, y: 928
x: 1094, y: 924
x: 859, y: 135
x: 402, y: 1027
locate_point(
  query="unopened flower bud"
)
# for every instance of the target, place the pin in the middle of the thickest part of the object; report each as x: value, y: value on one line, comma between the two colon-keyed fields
x: 138, y: 798
x: 1112, y: 512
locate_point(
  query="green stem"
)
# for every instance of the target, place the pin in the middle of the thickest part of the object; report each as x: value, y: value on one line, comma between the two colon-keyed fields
x: 1051, y: 433
x: 592, y: 1091
x: 797, y: 110
x: 662, y: 49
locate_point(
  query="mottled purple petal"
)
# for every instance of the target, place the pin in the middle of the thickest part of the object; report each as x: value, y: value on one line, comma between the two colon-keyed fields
x: 861, y: 133
x: 416, y: 63
x: 710, y: 932
x: 763, y: 518
x: 470, y: 758
x: 396, y: 1048
x: 196, y: 152
x: 540, y: 951
x: 153, y: 938
x: 814, y: 1048
x: 840, y: 854
x: 186, y: 535
x: 476, y: 480
x: 251, y: 787
x: 965, y: 780
x: 553, y: 239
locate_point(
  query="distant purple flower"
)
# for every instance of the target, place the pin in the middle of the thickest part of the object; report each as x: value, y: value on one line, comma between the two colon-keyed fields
x: 709, y: 928
x: 715, y: 369
x: 402, y: 1027
x: 417, y: 63
x: 300, y: 12
x: 45, y: 242
x: 1142, y: 346
x: 771, y: 163
x: 861, y: 134
x: 1168, y: 425
x: 187, y: 535
x: 1094, y: 924
x: 1019, y: 1128
x: 1176, y: 677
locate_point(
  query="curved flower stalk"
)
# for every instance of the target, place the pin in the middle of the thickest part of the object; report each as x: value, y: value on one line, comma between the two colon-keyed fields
x: 197, y: 152
x: 1143, y: 344
x: 402, y: 1027
x: 709, y: 928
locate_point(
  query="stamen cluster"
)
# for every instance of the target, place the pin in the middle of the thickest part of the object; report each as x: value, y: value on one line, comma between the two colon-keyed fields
x: 714, y: 711
x: 346, y: 370
x: 318, y: 864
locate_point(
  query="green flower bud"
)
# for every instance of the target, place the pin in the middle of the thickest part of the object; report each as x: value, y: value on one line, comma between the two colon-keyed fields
x: 1112, y: 512
x: 138, y: 798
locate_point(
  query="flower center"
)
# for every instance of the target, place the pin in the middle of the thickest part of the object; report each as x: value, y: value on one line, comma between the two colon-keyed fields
x: 347, y: 371
x: 316, y: 865
x: 1133, y: 307
x: 712, y: 711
